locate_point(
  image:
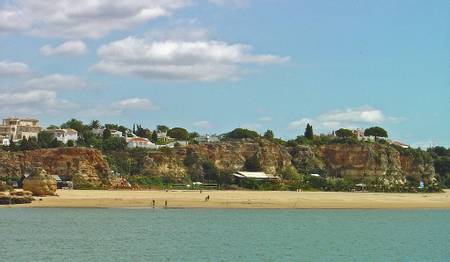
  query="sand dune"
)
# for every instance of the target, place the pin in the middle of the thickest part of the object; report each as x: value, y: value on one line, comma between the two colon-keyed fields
x: 240, y: 199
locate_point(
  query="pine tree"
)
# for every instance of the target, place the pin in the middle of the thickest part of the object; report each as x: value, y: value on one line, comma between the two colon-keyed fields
x: 154, y: 137
x: 309, y: 134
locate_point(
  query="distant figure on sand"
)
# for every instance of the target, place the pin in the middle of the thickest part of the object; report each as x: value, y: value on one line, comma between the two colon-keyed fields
x: 165, y: 204
x: 153, y: 203
x: 207, y: 198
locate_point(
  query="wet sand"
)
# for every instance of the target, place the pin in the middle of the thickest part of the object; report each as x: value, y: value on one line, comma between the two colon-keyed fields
x: 240, y: 199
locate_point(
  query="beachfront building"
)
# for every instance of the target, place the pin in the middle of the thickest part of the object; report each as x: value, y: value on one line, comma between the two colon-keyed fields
x: 64, y: 135
x: 17, y: 128
x: 253, y: 175
x: 140, y: 142
x: 207, y: 139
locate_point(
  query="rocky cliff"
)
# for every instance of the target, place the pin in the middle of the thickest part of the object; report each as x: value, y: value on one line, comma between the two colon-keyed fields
x: 64, y: 162
x: 349, y: 160
x: 370, y: 160
x: 226, y: 157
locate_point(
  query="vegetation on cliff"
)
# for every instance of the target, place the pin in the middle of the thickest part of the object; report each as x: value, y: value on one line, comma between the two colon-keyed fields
x: 337, y: 162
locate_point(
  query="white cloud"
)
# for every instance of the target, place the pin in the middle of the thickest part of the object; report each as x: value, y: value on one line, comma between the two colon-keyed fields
x: 34, y: 102
x: 191, y: 60
x: 348, y: 118
x: 134, y: 103
x: 204, y: 124
x: 13, y: 68
x: 265, y: 119
x: 352, y: 116
x: 238, y: 3
x: 57, y: 82
x: 120, y: 107
x: 81, y: 18
x: 299, y: 124
x: 67, y: 48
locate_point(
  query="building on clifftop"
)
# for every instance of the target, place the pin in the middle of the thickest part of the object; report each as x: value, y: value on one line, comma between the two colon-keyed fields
x: 16, y: 128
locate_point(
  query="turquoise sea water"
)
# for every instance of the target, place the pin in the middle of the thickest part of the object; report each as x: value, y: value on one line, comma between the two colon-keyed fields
x: 223, y: 235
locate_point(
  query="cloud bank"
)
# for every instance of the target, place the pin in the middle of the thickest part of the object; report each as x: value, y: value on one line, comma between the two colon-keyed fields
x: 81, y: 18
x: 67, y: 48
x: 176, y: 59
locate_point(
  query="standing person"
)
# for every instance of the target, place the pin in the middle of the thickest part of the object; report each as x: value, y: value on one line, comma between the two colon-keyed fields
x: 153, y: 203
x: 165, y: 204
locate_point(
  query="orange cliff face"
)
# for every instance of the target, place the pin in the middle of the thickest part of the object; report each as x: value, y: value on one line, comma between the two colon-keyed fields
x: 64, y: 162
x: 369, y: 160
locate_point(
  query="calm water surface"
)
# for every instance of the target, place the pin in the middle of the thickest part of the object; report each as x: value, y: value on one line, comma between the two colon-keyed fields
x: 223, y: 235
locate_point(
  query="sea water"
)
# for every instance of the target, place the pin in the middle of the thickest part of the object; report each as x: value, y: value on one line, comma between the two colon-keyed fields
x: 223, y: 235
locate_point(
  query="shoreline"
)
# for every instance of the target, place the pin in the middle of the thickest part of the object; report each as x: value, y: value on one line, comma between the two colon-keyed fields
x: 179, y: 199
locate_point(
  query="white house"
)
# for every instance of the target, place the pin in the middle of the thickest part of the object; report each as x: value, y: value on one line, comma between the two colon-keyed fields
x: 17, y: 128
x: 163, y: 136
x: 140, y: 142
x: 114, y: 133
x: 207, y: 139
x: 5, y: 142
x: 64, y: 135
x: 172, y: 144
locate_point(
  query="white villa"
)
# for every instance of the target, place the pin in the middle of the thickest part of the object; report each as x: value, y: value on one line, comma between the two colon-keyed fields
x: 207, y: 139
x: 64, y: 135
x: 140, y: 142
x: 17, y: 128
x: 163, y: 136
x: 114, y: 133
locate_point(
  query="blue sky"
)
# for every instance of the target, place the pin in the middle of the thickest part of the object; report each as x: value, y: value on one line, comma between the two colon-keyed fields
x: 214, y: 65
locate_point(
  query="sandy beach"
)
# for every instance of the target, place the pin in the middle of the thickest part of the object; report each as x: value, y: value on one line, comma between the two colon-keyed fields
x: 239, y: 199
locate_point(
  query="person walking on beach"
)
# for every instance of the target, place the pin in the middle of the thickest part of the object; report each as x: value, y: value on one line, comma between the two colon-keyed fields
x: 165, y: 204
x: 207, y: 198
x: 153, y: 203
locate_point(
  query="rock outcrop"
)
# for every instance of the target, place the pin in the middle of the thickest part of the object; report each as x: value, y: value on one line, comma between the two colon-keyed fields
x: 64, y: 162
x: 40, y: 183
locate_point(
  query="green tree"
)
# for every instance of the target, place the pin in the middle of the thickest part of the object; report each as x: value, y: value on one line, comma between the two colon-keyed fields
x: 376, y: 131
x: 106, y: 134
x: 74, y: 124
x: 95, y: 124
x: 12, y: 146
x: 309, y: 133
x: 162, y: 128
x: 143, y: 132
x: 70, y: 143
x: 45, y: 139
x: 269, y: 135
x: 178, y: 133
x: 154, y: 138
x: 24, y: 144
x: 117, y: 127
x: 56, y: 143
x: 241, y: 133
x: 114, y: 144
x: 209, y: 170
x: 253, y: 164
x: 344, y: 133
